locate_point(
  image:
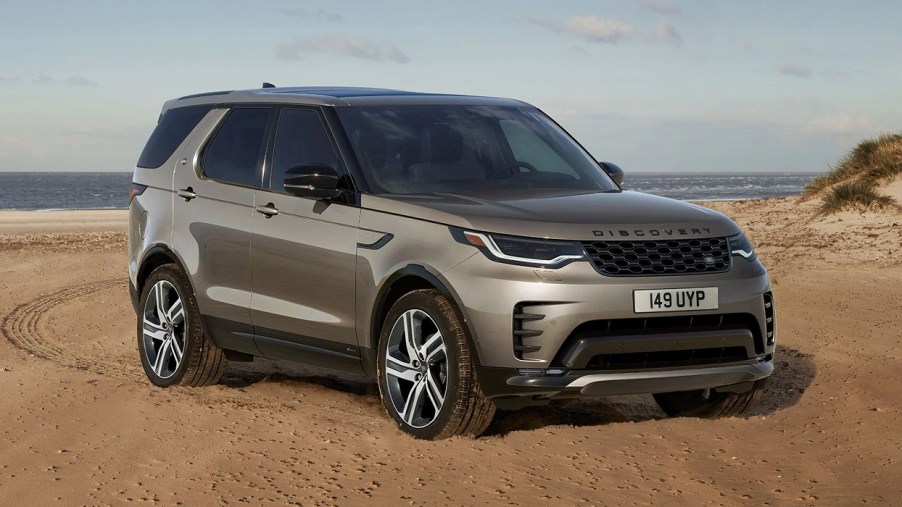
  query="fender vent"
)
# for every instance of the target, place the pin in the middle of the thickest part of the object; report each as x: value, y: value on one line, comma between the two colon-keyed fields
x: 520, y: 334
x: 769, y: 317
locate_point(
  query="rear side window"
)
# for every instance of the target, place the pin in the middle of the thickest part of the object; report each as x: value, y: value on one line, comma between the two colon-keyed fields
x: 172, y: 129
x: 236, y: 152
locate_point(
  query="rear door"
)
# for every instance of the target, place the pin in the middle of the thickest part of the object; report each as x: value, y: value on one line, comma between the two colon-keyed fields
x: 303, y: 256
x: 212, y: 219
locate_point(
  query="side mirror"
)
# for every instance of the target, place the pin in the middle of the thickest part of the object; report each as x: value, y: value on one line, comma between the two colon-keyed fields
x: 319, y: 181
x: 615, y: 172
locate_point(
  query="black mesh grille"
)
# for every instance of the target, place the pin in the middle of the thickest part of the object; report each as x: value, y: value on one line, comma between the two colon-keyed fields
x: 663, y: 359
x: 664, y: 257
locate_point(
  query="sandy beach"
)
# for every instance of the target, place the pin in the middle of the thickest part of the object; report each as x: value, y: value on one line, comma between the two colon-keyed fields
x: 81, y: 423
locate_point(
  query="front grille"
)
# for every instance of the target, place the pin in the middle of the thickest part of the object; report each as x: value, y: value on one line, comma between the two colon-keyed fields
x: 664, y: 257
x: 667, y: 359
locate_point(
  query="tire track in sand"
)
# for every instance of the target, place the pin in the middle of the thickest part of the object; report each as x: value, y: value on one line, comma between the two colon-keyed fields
x: 30, y: 327
x: 26, y: 327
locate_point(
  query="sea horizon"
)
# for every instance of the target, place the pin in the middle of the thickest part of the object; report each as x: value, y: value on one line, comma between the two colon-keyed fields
x: 69, y: 190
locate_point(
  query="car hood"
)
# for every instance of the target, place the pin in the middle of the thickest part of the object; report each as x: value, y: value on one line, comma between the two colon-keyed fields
x: 557, y: 215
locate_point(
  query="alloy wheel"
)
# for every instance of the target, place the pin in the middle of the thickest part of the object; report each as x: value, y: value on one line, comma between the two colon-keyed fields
x: 416, y: 368
x: 164, y: 329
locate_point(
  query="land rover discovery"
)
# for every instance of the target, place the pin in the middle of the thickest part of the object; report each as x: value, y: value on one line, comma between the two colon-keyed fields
x: 464, y: 251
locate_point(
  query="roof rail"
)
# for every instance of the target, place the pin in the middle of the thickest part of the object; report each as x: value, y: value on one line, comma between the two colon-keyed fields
x: 207, y: 94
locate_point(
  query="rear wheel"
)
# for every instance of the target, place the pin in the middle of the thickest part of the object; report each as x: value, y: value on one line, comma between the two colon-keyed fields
x: 171, y: 340
x: 427, y: 375
x: 709, y: 403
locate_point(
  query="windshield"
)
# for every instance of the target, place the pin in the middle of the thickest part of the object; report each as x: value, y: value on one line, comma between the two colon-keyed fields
x: 421, y: 149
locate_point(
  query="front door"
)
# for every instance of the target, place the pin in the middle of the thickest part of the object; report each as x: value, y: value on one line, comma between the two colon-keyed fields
x: 303, y: 255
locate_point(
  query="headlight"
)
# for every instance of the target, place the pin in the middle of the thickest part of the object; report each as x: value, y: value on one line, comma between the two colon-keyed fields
x: 740, y: 245
x: 522, y: 251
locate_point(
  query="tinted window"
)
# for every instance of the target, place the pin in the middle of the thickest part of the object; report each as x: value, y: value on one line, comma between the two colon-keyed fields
x: 172, y: 129
x: 301, y: 138
x: 443, y: 148
x: 235, y: 154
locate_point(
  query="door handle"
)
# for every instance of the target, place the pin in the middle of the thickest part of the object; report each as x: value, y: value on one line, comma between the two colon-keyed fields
x: 187, y: 194
x: 268, y: 211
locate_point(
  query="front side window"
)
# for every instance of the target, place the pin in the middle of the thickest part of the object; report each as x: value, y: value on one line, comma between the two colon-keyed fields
x: 301, y: 139
x: 236, y: 152
x: 411, y: 149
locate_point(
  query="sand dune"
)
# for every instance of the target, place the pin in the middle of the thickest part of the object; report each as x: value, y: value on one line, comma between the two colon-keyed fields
x: 81, y: 424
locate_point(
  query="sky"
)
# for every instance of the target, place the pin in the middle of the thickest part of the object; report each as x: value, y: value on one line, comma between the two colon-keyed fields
x: 652, y: 85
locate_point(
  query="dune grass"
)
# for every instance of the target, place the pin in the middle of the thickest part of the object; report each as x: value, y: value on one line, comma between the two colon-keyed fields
x: 853, y: 183
x: 853, y: 194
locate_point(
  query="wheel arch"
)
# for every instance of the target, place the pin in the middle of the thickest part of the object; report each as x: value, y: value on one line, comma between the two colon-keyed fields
x: 154, y: 257
x: 407, y: 279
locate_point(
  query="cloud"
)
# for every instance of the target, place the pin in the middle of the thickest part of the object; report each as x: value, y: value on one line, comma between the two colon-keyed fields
x: 77, y: 80
x: 591, y: 28
x: 794, y: 70
x: 666, y: 32
x: 600, y: 30
x: 4, y: 79
x: 347, y: 45
x: 666, y: 8
x: 841, y: 122
x: 317, y: 14
x: 609, y: 31
x: 834, y: 74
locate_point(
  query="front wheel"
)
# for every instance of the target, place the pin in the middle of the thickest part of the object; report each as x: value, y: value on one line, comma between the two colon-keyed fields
x: 710, y: 404
x: 427, y: 375
x: 171, y: 341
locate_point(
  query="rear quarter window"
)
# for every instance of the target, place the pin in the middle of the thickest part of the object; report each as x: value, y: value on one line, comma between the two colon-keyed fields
x: 172, y: 129
x: 235, y: 153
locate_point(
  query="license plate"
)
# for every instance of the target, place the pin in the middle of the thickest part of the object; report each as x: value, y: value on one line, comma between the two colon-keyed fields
x: 675, y: 300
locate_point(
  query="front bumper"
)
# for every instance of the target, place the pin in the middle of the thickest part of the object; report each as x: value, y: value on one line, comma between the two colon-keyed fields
x: 512, y: 388
x: 546, y: 334
x: 522, y: 317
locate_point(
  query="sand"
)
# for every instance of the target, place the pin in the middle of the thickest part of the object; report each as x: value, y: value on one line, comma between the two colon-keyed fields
x: 81, y: 424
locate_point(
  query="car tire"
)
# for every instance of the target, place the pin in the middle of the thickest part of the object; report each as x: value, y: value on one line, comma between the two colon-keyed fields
x: 427, y: 370
x: 171, y: 340
x: 710, y: 404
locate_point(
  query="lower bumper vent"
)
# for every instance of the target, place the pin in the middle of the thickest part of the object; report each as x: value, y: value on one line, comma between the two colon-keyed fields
x: 664, y: 359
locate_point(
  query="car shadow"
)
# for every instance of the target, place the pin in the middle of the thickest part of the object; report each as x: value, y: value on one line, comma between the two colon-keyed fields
x: 794, y: 372
x: 240, y: 375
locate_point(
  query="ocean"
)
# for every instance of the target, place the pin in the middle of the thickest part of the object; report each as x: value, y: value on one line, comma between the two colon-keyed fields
x: 50, y: 191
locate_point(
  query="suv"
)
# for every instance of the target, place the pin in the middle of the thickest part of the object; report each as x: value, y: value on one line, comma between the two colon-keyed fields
x: 464, y: 251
